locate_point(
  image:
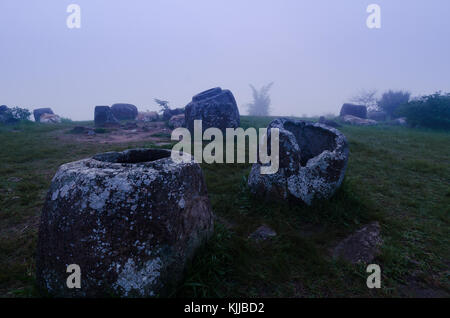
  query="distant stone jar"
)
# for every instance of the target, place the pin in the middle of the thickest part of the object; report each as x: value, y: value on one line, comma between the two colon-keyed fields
x: 354, y: 110
x: 37, y: 113
x: 215, y: 107
x: 312, y: 163
x: 124, y: 111
x: 130, y: 220
x: 104, y: 117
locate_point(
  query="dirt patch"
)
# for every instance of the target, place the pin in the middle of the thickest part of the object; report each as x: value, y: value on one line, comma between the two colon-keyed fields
x: 155, y: 132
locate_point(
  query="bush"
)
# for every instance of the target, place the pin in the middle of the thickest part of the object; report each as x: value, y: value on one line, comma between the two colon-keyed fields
x: 391, y: 100
x: 261, y: 101
x: 19, y: 113
x: 14, y: 114
x: 66, y: 120
x: 431, y: 111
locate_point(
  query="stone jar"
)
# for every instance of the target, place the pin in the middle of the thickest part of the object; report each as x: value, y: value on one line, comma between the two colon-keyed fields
x: 216, y: 108
x: 312, y: 162
x: 130, y: 220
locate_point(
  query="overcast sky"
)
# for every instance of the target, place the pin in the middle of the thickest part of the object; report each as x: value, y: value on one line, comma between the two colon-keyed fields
x: 317, y: 53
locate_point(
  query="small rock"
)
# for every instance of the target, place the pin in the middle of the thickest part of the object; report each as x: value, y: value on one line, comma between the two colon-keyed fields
x: 147, y: 116
x: 78, y: 130
x: 176, y: 121
x: 14, y: 179
x: 130, y: 126
x: 262, y: 233
x: 50, y: 119
x: 399, y: 121
x: 331, y: 123
x: 362, y: 246
x: 353, y: 120
x: 82, y: 130
x: 169, y: 113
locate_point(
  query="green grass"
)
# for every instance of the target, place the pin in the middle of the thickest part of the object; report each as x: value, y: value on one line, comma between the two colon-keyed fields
x: 397, y: 176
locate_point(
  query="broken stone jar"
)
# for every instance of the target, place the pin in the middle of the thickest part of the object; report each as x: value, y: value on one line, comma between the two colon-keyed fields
x: 312, y: 162
x: 130, y: 220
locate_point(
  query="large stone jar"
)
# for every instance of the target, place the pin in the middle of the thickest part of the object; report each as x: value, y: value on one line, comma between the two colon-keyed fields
x: 312, y: 163
x: 130, y: 220
x: 215, y: 107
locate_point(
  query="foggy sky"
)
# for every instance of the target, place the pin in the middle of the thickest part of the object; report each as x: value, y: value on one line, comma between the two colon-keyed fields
x: 318, y: 53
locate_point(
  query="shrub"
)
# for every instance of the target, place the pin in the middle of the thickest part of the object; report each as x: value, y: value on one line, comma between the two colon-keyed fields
x: 391, y: 100
x: 19, y: 113
x: 261, y: 101
x: 66, y: 120
x: 431, y: 111
x: 100, y: 130
x: 13, y: 115
x: 164, y: 104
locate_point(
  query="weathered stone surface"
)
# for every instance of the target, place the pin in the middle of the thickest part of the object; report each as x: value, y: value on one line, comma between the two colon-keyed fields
x: 312, y: 162
x: 177, y: 121
x: 131, y: 221
x: 328, y: 122
x: 215, y: 107
x: 124, y: 111
x: 37, y: 113
x: 353, y: 120
x: 377, y: 115
x: 147, y: 116
x: 50, y: 119
x: 362, y: 246
x: 169, y: 113
x: 262, y: 233
x: 103, y: 117
x: 354, y: 110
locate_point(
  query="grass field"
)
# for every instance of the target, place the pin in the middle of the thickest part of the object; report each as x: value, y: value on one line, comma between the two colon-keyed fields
x: 397, y: 176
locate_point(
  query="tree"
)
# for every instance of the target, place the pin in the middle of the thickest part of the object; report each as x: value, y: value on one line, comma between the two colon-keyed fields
x: 391, y: 100
x: 431, y: 111
x: 20, y: 113
x: 13, y: 115
x: 261, y: 101
x: 162, y: 103
x: 366, y: 98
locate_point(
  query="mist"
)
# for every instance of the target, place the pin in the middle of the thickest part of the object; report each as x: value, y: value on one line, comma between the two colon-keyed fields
x: 317, y: 53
